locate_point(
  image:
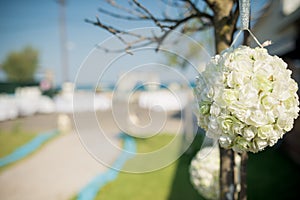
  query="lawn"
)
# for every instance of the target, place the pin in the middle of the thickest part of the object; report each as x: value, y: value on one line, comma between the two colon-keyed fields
x: 171, y: 182
x: 271, y: 175
x: 11, y: 140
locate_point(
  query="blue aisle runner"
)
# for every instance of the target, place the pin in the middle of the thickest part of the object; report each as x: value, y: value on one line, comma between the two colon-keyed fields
x: 90, y: 191
x: 28, y: 148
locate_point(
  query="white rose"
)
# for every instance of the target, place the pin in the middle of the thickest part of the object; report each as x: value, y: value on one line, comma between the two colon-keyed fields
x: 272, y: 140
x: 237, y: 79
x: 215, y: 109
x: 240, y: 144
x: 237, y: 127
x: 290, y: 103
x: 243, y: 53
x: 225, y: 141
x: 248, y: 96
x: 260, y: 54
x: 259, y: 144
x: 242, y: 114
x: 293, y: 86
x: 281, y: 90
x: 285, y: 122
x: 270, y: 116
x: 262, y: 83
x: 226, y: 123
x: 257, y: 118
x: 242, y: 65
x: 203, y: 121
x: 249, y: 132
x: 265, y: 132
x: 204, y: 107
x: 213, y: 123
x: 282, y: 75
x: 213, y: 130
x: 278, y: 131
x: 278, y: 63
x: 229, y: 96
x: 263, y: 68
x: 269, y: 102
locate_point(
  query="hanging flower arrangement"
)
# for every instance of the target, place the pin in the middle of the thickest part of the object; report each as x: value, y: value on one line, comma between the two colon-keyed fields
x: 247, y: 99
x: 204, y: 172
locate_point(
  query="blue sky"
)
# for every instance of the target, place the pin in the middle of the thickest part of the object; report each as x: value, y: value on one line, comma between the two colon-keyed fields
x: 36, y: 23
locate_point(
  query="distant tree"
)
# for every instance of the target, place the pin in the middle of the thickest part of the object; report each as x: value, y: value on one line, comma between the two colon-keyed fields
x: 21, y: 66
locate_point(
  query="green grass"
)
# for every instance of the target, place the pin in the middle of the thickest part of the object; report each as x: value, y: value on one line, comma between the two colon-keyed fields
x: 151, y: 144
x: 171, y: 182
x: 271, y: 176
x: 153, y: 185
x: 10, y: 141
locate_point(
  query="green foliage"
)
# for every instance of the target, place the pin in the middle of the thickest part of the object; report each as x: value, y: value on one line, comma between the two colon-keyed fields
x: 21, y: 66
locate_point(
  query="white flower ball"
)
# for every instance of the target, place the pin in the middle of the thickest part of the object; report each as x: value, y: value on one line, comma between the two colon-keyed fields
x: 247, y: 99
x: 204, y: 172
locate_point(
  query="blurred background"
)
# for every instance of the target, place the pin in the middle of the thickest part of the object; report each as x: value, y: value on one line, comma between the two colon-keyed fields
x: 66, y: 102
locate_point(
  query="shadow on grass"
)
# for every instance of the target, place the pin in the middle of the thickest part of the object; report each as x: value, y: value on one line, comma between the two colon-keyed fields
x: 272, y: 175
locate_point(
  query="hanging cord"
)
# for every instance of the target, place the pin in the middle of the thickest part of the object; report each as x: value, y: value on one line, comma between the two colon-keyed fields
x: 251, y: 34
x: 244, y: 6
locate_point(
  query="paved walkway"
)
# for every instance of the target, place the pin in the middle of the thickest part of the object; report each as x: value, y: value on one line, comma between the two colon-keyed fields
x: 58, y: 171
x: 63, y: 167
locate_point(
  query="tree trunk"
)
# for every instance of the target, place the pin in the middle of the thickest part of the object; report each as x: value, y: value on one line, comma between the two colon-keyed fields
x: 227, y: 186
x: 243, y: 174
x: 224, y: 24
x: 244, y: 156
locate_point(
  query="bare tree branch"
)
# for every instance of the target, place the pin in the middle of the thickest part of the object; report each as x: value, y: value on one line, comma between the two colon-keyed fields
x: 140, y: 13
x: 115, y: 31
x: 193, y: 29
x: 128, y: 50
x: 131, y: 18
x: 115, y: 15
x: 140, y: 38
x: 171, y: 3
x: 125, y: 9
x: 189, y: 10
x: 149, y: 14
x: 197, y: 11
